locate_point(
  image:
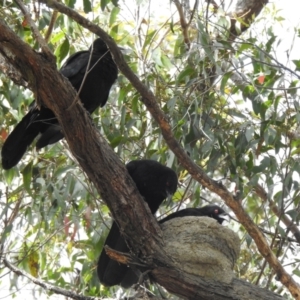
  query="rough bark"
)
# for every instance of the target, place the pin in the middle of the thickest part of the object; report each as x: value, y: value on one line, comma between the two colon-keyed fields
x: 201, y: 289
x: 11, y: 72
x: 245, y: 11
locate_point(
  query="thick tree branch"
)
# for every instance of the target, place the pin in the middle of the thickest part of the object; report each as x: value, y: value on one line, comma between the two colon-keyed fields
x: 237, y: 290
x: 242, y: 288
x: 244, y: 12
x: 150, y: 102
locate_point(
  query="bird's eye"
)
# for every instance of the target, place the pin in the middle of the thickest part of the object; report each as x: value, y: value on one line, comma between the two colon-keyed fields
x: 167, y: 183
x: 216, y: 211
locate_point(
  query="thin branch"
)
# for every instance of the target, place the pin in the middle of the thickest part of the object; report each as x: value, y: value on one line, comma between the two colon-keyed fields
x: 193, y: 13
x: 277, y: 236
x: 51, y: 25
x: 183, y: 23
x: 45, y: 285
x: 283, y: 217
x: 14, y: 213
x: 45, y: 49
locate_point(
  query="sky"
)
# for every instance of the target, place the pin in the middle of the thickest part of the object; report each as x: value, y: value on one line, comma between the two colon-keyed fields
x: 285, y: 30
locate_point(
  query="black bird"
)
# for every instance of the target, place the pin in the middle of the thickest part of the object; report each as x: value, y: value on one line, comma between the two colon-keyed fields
x: 93, y: 88
x: 212, y: 211
x: 155, y: 182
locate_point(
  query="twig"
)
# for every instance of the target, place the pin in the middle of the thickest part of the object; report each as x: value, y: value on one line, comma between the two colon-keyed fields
x: 183, y: 23
x: 51, y: 25
x: 125, y: 258
x: 193, y: 12
x: 45, y: 49
x: 259, y: 190
x: 45, y: 285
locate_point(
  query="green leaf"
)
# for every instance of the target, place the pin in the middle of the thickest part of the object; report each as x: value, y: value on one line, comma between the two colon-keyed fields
x: 270, y: 43
x: 296, y: 272
x: 240, y: 144
x: 115, y: 2
x: 27, y: 175
x: 57, y: 37
x: 265, y: 163
x: 113, y: 15
x: 166, y: 62
x: 62, y: 50
x: 135, y: 104
x: 185, y: 74
x: 249, y: 133
x: 71, y: 3
x: 116, y: 141
x: 33, y: 263
x: 224, y: 81
x: 256, y: 104
x: 270, y: 135
x: 248, y: 239
x: 245, y: 46
x: 5, y: 233
x: 9, y: 175
x: 294, y: 214
x: 87, y: 6
x: 103, y: 4
x: 297, y: 64
x: 148, y: 39
x: 281, y: 231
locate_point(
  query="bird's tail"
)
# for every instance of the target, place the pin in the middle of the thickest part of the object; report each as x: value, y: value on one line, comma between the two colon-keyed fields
x: 17, y: 142
x: 110, y: 272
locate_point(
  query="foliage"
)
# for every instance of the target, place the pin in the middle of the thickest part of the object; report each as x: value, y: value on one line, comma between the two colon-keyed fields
x: 233, y: 107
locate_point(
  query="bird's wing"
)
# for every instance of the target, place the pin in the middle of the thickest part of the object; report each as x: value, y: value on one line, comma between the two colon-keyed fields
x: 75, y: 64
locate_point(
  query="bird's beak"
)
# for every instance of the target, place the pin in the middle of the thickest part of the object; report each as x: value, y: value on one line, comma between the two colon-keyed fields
x: 225, y: 217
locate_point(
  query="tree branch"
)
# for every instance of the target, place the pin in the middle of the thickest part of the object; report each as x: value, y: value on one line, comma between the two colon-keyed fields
x: 183, y: 23
x: 11, y: 72
x: 245, y: 12
x: 45, y: 49
x: 283, y: 217
x: 45, y: 285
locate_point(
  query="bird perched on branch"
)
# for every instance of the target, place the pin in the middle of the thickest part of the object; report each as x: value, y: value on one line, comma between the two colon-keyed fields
x: 212, y: 211
x: 91, y: 73
x: 112, y: 273
x: 155, y: 183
